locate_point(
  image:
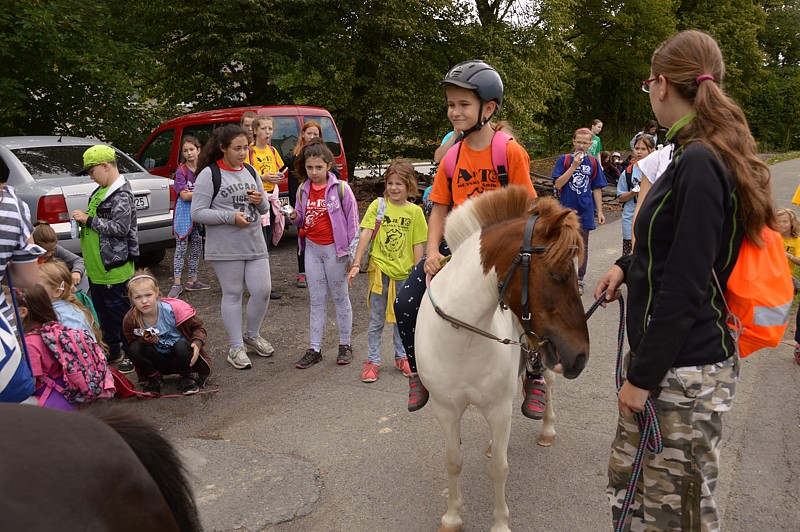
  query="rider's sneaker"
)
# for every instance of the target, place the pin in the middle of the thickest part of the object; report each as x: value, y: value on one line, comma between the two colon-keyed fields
x: 417, y: 394
x: 370, y: 373
x: 309, y: 359
x: 237, y: 356
x: 345, y: 355
x: 402, y: 365
x: 260, y: 346
x: 535, y: 401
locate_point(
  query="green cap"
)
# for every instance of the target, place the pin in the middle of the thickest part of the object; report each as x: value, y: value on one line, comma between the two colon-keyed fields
x: 98, y: 154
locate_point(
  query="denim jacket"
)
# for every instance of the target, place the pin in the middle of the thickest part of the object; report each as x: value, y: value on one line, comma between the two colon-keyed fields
x: 343, y: 214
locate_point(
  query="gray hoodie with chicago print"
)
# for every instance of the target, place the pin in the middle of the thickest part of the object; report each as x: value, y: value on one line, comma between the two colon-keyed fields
x: 225, y: 241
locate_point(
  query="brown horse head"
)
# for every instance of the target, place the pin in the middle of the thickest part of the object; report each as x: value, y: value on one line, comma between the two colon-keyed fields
x: 557, y: 314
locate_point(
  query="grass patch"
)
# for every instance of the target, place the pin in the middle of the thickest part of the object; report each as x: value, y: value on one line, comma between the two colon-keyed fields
x: 779, y: 158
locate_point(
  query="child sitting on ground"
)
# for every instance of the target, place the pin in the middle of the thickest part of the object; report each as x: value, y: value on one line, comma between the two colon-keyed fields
x: 166, y: 337
x: 45, y: 237
x: 57, y: 282
x: 395, y: 231
x: 36, y: 311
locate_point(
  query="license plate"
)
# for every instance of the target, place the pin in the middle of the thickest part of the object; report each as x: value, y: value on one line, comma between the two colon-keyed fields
x: 284, y: 200
x: 142, y: 203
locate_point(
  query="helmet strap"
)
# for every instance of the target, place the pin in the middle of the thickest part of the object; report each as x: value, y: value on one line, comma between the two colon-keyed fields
x: 479, y: 124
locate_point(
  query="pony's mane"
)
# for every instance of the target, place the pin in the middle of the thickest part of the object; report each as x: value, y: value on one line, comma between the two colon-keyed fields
x: 483, y: 211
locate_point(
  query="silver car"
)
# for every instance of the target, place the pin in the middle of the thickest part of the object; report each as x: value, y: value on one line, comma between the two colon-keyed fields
x: 47, y: 173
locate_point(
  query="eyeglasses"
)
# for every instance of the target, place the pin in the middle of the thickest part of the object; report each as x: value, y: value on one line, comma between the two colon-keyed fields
x: 646, y: 84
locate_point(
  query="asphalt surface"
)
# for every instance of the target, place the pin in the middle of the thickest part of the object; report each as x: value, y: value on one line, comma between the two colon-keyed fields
x: 286, y: 450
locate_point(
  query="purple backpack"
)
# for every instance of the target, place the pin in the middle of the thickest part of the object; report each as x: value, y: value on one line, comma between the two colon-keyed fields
x: 86, y: 374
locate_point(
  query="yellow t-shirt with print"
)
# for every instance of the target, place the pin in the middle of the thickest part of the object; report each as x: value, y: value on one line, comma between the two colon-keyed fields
x: 792, y: 247
x: 266, y: 161
x: 393, y: 247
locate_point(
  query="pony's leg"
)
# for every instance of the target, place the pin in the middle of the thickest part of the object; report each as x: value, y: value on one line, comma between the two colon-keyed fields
x: 547, y: 436
x: 450, y: 420
x: 499, y: 419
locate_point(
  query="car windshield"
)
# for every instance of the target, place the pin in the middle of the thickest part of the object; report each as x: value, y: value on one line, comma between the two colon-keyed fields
x: 46, y: 162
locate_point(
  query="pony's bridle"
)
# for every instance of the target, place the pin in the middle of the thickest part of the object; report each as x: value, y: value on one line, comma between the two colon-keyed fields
x: 526, y: 251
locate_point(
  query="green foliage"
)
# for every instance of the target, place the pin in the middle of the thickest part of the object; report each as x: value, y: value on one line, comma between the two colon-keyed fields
x: 113, y: 70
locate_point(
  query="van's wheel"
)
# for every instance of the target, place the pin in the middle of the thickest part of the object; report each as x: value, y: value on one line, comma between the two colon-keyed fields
x: 152, y: 258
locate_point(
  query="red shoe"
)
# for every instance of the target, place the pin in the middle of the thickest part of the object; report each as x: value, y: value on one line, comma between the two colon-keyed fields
x: 370, y: 373
x: 417, y: 394
x: 535, y: 401
x: 402, y: 365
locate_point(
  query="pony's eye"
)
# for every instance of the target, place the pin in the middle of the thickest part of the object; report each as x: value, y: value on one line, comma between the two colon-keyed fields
x: 558, y: 277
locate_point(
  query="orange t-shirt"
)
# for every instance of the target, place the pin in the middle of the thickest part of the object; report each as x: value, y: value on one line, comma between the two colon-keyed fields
x: 317, y: 222
x: 475, y: 174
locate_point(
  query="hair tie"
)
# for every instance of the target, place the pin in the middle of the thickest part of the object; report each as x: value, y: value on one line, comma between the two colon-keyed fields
x: 700, y: 79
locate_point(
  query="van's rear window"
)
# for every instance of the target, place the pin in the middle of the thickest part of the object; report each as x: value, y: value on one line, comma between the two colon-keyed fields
x: 329, y: 134
x: 46, y: 162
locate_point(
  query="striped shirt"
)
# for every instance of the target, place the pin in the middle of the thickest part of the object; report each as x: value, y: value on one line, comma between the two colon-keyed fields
x: 15, y: 230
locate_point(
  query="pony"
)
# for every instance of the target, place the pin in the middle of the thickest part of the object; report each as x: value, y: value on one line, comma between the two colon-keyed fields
x: 460, y: 364
x: 94, y: 469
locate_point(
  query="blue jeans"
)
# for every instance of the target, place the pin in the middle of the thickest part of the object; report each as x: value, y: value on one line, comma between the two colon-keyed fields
x: 377, y: 320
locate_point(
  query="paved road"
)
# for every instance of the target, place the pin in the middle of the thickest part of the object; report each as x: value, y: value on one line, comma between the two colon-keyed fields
x: 285, y: 450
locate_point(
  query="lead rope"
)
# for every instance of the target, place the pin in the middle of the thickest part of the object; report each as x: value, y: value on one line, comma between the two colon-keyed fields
x: 647, y: 421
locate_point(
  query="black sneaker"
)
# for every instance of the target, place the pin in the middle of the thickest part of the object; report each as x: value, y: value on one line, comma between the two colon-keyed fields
x: 153, y: 385
x: 124, y: 364
x: 345, y: 355
x: 189, y: 386
x: 309, y: 359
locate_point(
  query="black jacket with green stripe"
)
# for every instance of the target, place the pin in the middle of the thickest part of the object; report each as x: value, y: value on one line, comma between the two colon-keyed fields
x: 688, y: 224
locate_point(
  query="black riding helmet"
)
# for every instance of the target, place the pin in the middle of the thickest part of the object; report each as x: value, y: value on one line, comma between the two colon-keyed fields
x: 481, y: 78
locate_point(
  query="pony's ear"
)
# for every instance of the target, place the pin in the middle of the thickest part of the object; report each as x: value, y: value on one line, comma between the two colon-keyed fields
x: 555, y: 221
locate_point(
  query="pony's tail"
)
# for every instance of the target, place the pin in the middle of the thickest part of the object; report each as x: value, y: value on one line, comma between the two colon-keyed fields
x: 160, y: 459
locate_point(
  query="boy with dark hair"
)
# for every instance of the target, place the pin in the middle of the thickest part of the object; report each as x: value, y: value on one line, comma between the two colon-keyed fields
x: 578, y: 178
x: 110, y: 246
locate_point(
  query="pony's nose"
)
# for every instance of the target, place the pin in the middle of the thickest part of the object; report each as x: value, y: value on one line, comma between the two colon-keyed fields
x: 577, y: 366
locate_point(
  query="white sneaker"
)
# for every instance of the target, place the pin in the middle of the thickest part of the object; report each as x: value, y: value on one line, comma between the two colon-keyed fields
x: 237, y: 356
x: 261, y: 346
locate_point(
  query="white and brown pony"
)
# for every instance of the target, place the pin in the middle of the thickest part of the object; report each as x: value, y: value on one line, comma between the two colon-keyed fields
x: 466, y: 317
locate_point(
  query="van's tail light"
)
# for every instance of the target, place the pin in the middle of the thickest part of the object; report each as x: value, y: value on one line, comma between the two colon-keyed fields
x: 173, y: 198
x: 52, y: 209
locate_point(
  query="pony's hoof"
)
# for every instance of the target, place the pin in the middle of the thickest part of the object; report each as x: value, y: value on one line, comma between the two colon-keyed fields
x: 449, y: 528
x: 546, y: 441
x: 489, y: 450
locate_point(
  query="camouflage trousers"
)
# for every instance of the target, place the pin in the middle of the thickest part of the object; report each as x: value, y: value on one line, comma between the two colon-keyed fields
x: 675, y: 489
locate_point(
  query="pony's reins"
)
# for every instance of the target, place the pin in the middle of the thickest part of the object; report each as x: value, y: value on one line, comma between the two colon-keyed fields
x: 647, y: 421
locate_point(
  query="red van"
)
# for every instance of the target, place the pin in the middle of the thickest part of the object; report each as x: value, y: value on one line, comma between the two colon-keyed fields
x: 160, y: 153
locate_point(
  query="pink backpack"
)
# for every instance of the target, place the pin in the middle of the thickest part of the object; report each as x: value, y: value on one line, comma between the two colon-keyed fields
x: 500, y: 142
x: 83, y: 361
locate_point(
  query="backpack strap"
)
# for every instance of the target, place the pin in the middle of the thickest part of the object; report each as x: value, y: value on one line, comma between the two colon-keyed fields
x: 216, y: 178
x: 379, y: 215
x: 500, y: 142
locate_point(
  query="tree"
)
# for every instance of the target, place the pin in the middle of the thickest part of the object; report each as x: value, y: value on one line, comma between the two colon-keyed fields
x: 69, y: 68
